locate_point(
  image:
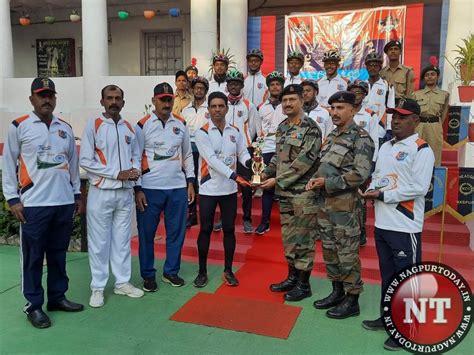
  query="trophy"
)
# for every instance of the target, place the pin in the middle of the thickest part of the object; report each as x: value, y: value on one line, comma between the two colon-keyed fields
x: 257, y: 161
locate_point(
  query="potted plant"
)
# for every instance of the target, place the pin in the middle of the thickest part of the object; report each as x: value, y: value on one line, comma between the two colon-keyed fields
x: 463, y: 64
x: 49, y: 19
x: 123, y: 14
x: 149, y: 14
x: 25, y: 19
x: 74, y: 16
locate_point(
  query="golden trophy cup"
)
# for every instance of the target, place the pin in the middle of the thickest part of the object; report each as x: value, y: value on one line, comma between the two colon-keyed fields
x: 257, y: 161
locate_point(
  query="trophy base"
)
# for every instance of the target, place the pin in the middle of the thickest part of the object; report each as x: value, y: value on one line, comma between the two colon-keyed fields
x: 256, y: 180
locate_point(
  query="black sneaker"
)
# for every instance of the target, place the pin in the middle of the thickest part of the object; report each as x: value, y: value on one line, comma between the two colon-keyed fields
x: 229, y: 278
x: 192, y: 221
x: 173, y: 280
x: 149, y: 285
x: 391, y: 345
x: 262, y: 228
x: 376, y: 324
x: 217, y: 226
x: 201, y: 280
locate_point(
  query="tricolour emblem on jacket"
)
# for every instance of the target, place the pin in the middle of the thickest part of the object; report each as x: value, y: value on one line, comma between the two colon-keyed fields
x: 62, y: 134
x: 128, y: 139
x: 401, y: 156
x: 176, y: 130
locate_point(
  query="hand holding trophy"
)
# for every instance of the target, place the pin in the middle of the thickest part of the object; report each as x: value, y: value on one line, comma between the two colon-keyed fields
x: 257, y: 161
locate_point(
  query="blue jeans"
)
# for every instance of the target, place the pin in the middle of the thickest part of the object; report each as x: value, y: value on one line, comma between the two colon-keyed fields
x: 174, y: 204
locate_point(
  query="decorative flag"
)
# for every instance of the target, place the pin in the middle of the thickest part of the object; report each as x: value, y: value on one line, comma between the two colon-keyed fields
x: 456, y: 126
x: 460, y: 193
x: 434, y: 199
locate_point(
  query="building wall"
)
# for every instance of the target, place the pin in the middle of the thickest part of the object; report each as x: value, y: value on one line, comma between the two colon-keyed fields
x: 125, y: 50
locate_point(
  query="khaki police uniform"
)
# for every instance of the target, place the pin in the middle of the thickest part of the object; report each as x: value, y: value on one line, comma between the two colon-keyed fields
x: 434, y: 104
x: 402, y: 78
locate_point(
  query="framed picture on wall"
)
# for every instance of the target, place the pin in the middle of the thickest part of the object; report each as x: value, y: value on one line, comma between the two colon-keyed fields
x: 56, y: 57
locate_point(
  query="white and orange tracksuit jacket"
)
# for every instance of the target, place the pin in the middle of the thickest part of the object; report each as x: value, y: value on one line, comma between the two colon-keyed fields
x: 106, y: 149
x: 40, y: 163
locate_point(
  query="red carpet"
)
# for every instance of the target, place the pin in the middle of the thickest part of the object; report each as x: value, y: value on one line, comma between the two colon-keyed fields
x: 228, y: 312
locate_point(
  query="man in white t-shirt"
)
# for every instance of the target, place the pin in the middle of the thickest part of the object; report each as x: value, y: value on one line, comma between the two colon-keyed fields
x: 399, y: 184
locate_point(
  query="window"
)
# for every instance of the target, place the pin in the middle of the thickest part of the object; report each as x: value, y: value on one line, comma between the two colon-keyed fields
x: 163, y: 53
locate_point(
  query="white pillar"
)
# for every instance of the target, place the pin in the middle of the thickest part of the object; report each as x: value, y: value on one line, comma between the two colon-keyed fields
x: 203, y: 33
x: 6, y: 47
x: 233, y: 31
x: 460, y: 25
x: 95, y: 51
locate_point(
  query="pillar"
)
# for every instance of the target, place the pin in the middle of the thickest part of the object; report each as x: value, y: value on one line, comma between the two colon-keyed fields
x: 233, y: 31
x: 6, y: 47
x: 95, y: 52
x: 203, y: 33
x: 460, y: 25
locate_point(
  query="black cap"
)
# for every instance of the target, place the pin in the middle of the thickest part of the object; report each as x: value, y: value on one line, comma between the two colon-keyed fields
x: 180, y: 73
x: 430, y: 68
x: 42, y: 84
x: 292, y: 89
x: 392, y: 43
x: 163, y: 90
x: 345, y: 97
x: 406, y: 107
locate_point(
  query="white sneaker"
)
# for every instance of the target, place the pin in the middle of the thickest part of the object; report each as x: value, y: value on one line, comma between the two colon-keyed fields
x: 129, y: 290
x: 97, y: 299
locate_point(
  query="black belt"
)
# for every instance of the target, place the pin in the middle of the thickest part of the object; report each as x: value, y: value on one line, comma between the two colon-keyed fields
x: 429, y: 119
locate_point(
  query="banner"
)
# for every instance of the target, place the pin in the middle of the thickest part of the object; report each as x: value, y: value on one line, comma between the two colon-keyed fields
x: 460, y: 193
x: 456, y: 126
x: 353, y: 33
x: 434, y: 199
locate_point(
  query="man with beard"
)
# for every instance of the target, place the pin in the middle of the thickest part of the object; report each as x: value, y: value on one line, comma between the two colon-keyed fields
x: 41, y: 185
x: 399, y: 75
x: 298, y: 143
x: 294, y: 61
x: 346, y: 160
x: 367, y: 119
x: 196, y: 115
x: 332, y: 82
x: 271, y: 114
x: 243, y: 114
x: 312, y: 108
x: 381, y: 96
x: 254, y: 84
x: 220, y: 65
x: 111, y: 157
x: 166, y: 185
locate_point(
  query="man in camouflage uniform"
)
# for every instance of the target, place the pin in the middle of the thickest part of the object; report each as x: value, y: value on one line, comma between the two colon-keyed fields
x: 298, y: 143
x: 400, y: 76
x: 346, y: 159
